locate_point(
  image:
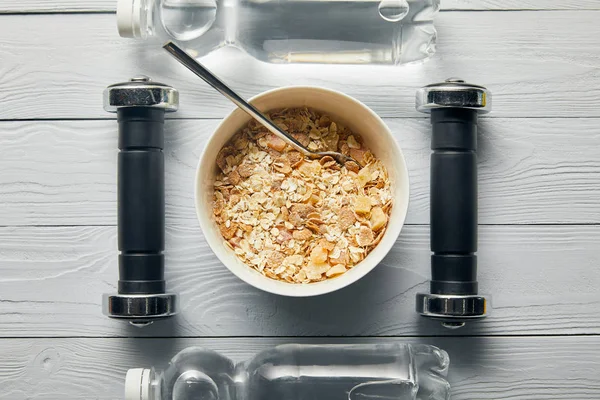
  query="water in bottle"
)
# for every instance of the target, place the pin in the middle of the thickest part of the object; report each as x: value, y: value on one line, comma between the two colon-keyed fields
x: 390, y: 371
x: 289, y: 31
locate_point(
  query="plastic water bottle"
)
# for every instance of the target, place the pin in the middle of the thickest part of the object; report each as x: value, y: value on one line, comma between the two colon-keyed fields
x: 389, y: 371
x: 287, y: 31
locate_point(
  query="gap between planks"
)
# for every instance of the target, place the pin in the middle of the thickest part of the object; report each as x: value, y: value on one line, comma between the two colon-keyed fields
x: 211, y: 119
x: 111, y: 12
x: 324, y: 337
x: 407, y: 224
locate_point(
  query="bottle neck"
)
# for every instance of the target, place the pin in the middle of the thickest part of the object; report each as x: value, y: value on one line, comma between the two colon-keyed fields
x: 147, y: 11
x: 135, y: 18
x: 143, y: 384
x: 155, y: 385
x: 199, y: 26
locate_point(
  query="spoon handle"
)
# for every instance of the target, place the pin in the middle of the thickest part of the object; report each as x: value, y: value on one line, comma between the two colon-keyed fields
x: 226, y: 91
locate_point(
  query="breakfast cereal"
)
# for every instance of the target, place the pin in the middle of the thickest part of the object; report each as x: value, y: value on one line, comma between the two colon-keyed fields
x: 294, y: 219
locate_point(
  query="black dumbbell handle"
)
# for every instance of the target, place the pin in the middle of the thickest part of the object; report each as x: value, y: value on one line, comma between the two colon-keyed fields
x: 141, y: 200
x: 454, y: 201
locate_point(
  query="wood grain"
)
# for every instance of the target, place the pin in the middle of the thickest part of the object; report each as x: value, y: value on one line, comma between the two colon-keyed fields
x: 28, y: 6
x: 543, y: 280
x: 480, y: 368
x: 529, y: 63
x: 530, y: 170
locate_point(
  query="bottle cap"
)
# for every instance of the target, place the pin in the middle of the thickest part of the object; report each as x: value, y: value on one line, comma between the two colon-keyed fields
x: 454, y: 93
x: 132, y: 19
x: 137, y: 384
x: 140, y: 91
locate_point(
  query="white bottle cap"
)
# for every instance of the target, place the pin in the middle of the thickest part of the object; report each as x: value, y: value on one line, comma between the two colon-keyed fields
x: 129, y: 18
x: 137, y: 384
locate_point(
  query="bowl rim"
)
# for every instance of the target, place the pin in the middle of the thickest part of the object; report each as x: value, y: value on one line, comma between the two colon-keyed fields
x: 317, y: 288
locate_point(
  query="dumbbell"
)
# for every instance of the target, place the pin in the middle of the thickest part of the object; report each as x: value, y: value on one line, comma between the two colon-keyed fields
x: 141, y: 105
x: 454, y: 106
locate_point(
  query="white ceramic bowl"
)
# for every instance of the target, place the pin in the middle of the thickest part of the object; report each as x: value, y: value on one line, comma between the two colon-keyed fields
x: 347, y: 111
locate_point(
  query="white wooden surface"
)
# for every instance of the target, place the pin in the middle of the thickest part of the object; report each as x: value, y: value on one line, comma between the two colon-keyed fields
x: 539, y: 205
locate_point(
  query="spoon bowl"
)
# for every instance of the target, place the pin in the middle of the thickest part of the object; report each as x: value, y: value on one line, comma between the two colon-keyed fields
x: 208, y: 77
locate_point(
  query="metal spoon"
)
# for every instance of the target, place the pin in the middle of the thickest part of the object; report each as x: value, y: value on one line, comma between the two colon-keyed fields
x: 222, y: 88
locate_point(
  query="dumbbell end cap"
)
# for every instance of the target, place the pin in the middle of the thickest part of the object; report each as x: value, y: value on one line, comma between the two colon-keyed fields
x: 453, y: 310
x: 140, y: 91
x: 140, y: 309
x: 454, y: 93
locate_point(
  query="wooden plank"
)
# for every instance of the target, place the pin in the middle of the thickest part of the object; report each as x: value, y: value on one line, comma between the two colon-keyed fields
x: 531, y: 170
x: 28, y: 6
x: 503, y: 5
x: 530, y: 64
x: 480, y: 368
x: 59, y: 6
x: 543, y: 279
